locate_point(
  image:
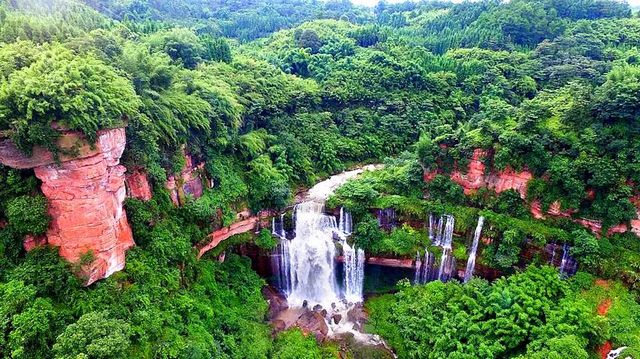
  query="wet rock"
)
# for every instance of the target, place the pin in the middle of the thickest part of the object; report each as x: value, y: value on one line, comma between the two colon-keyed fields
x: 278, y: 325
x: 305, y: 303
x: 336, y: 318
x: 314, y: 323
x: 317, y: 308
x: 358, y: 316
x: 277, y: 301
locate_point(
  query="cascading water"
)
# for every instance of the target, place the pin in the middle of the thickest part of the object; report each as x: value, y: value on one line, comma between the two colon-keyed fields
x: 447, y: 261
x: 425, y: 268
x: 471, y: 262
x: 312, y: 257
x: 312, y: 250
x: 346, y: 224
x: 353, y: 273
x: 280, y: 258
x: 436, y: 230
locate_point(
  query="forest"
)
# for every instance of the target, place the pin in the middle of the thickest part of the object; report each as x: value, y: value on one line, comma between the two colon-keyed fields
x: 274, y: 96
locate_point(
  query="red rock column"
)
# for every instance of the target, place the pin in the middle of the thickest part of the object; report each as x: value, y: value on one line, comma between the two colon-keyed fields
x: 86, y: 195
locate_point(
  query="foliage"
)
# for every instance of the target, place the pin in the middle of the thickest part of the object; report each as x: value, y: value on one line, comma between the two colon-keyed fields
x: 533, y: 310
x: 293, y: 344
x: 94, y: 335
x: 28, y: 215
x: 265, y: 240
x: 77, y: 92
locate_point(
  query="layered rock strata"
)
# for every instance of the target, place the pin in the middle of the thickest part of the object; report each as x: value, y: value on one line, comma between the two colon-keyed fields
x: 85, y: 189
x: 477, y: 176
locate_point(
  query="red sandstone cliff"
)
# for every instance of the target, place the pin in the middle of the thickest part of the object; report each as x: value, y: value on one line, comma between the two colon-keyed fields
x: 85, y: 192
x: 138, y: 184
x: 476, y: 177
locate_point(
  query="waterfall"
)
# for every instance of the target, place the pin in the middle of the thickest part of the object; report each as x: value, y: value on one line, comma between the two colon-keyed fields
x: 553, y: 254
x: 565, y: 257
x: 447, y: 261
x: 346, y: 225
x: 436, y: 230
x: 281, y: 266
x: 387, y: 218
x: 312, y: 254
x: 568, y: 264
x: 425, y: 269
x: 353, y: 272
x: 312, y: 251
x: 471, y: 262
x: 416, y: 274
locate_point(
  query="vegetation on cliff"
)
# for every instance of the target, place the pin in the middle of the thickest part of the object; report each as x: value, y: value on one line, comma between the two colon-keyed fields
x: 272, y: 95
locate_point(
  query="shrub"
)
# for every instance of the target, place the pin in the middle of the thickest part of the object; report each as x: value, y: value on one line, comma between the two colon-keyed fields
x: 28, y: 215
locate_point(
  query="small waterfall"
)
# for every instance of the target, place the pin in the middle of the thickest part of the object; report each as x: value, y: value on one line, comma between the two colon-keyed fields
x: 447, y: 261
x: 553, y: 253
x: 471, y: 262
x: 281, y: 264
x: 416, y: 274
x: 436, y: 230
x: 277, y: 228
x: 387, y: 218
x: 353, y: 272
x: 346, y: 223
x: 565, y: 259
x: 559, y: 257
x: 425, y: 268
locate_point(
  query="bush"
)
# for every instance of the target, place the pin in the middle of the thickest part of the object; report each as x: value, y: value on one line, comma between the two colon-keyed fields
x: 28, y: 215
x: 265, y: 240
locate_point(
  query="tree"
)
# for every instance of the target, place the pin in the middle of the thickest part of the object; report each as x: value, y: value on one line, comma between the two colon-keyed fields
x: 77, y: 92
x: 94, y: 335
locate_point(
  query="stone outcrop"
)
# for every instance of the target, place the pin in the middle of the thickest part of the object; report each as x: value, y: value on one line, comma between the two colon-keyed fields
x: 476, y: 177
x: 138, y: 185
x: 245, y: 222
x: 386, y: 262
x: 189, y: 182
x: 85, y: 192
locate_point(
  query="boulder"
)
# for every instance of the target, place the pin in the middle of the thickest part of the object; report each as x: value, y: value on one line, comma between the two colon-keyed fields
x: 277, y: 301
x: 311, y: 322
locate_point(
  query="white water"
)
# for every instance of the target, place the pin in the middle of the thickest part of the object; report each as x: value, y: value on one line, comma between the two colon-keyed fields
x: 424, y: 268
x: 447, y: 262
x: 346, y: 223
x: 471, y: 262
x: 353, y: 273
x: 565, y: 258
x: 312, y: 251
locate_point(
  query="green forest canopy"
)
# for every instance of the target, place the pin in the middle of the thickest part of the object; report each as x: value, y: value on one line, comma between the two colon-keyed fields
x: 274, y: 95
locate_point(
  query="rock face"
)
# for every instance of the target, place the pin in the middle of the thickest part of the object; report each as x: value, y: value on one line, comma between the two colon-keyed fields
x: 477, y: 177
x: 138, y: 185
x: 245, y: 223
x: 189, y: 182
x: 85, y: 193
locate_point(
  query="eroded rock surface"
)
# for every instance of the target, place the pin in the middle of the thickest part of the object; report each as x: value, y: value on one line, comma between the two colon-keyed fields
x: 85, y: 193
